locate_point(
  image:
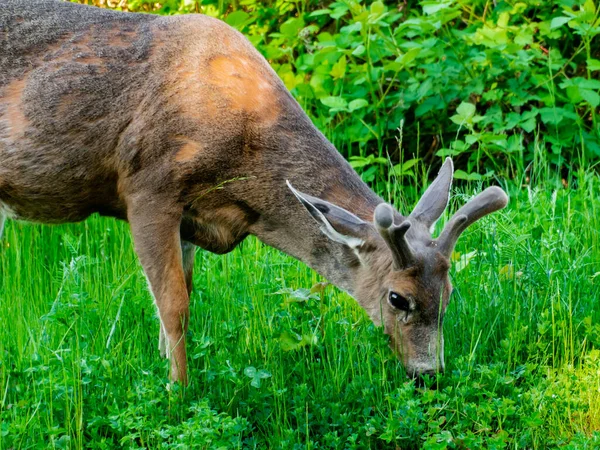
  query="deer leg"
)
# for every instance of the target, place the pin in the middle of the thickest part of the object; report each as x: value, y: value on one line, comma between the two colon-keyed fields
x: 156, y: 236
x: 3, y: 215
x: 162, y: 340
x: 188, y: 251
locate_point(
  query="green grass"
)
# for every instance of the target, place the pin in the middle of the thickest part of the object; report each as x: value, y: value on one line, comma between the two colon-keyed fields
x: 80, y: 366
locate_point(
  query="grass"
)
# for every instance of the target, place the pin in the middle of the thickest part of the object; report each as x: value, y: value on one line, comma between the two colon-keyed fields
x: 275, y: 367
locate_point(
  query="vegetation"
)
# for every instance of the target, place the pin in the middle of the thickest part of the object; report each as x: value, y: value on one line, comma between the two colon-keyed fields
x: 274, y: 365
x: 486, y: 82
x: 280, y: 360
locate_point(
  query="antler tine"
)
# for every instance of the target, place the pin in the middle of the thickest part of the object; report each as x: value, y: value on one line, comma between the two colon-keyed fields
x: 435, y: 199
x: 490, y: 200
x: 394, y: 235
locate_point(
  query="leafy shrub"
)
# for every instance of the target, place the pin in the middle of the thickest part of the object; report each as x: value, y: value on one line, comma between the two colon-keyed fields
x: 467, y: 79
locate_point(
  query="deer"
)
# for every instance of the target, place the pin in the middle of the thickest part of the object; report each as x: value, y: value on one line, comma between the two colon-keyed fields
x: 180, y: 127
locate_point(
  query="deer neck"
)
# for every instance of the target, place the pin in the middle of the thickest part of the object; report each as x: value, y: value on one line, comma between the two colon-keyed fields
x: 313, y: 165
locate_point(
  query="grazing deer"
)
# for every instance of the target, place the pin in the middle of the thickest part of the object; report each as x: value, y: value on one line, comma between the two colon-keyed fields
x: 140, y: 117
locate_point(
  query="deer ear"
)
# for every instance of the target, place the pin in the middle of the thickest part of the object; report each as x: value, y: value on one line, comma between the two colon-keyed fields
x: 435, y: 199
x: 336, y: 223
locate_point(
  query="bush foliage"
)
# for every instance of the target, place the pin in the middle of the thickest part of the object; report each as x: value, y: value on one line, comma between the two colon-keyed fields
x: 474, y: 79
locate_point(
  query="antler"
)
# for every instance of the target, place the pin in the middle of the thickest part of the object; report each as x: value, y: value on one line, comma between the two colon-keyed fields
x: 428, y: 210
x: 490, y: 200
x: 435, y: 199
x: 394, y: 235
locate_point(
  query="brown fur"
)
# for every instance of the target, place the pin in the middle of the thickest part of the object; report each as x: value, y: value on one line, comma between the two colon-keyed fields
x: 13, y: 116
x: 243, y: 87
x: 188, y: 151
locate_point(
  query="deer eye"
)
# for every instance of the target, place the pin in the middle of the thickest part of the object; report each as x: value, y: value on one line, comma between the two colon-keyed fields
x: 399, y: 302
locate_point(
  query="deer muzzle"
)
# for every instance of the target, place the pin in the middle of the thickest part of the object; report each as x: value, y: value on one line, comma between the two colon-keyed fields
x: 424, y: 354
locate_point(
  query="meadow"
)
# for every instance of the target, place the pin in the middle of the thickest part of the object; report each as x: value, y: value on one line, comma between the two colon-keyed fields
x: 275, y: 364
x: 280, y: 359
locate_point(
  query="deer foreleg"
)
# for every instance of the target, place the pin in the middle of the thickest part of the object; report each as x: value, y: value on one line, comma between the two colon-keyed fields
x: 155, y: 230
x: 188, y: 251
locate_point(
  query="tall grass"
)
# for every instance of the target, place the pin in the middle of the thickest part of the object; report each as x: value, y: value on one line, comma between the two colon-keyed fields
x: 274, y: 367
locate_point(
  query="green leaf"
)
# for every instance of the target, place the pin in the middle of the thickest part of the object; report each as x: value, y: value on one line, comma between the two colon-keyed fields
x: 349, y: 29
x: 466, y: 110
x: 335, y: 103
x: 552, y: 116
x: 555, y: 115
x: 358, y: 51
x: 295, y: 296
x: 339, y: 69
x: 357, y: 104
x: 523, y: 37
x: 339, y: 12
x: 503, y: 20
x: 588, y: 84
x: 377, y: 8
x: 459, y: 146
x: 462, y: 175
x: 558, y: 22
x: 358, y: 161
x: 289, y: 342
x: 593, y: 64
x: 529, y: 124
x: 462, y: 260
x: 424, y: 108
x: 404, y: 168
x: 590, y: 96
x: 362, y: 161
x: 589, y: 7
x: 237, y: 19
x: 292, y: 27
x: 431, y: 7
x: 574, y: 94
x: 464, y: 113
x: 491, y: 37
x: 318, y: 288
x: 256, y: 375
x: 290, y: 79
x: 309, y: 339
x: 369, y: 174
x: 410, y: 55
x: 319, y: 12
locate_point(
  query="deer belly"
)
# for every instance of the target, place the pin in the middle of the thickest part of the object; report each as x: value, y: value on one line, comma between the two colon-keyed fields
x: 57, y: 199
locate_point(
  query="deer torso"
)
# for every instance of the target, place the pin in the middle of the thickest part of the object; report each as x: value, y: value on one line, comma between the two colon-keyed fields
x: 96, y: 106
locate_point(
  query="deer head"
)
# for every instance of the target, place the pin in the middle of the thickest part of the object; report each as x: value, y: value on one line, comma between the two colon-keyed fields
x: 399, y: 271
